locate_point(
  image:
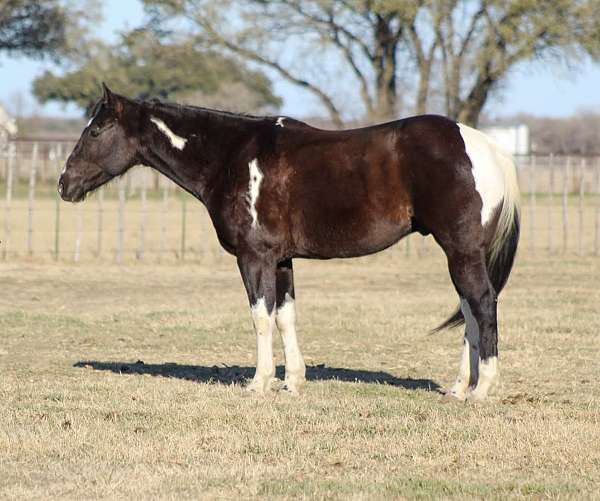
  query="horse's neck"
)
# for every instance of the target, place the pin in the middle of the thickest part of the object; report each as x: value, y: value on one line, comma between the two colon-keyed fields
x: 194, y: 167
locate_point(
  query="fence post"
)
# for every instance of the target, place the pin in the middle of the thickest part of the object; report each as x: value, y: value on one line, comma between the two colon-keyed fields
x: 183, y: 227
x: 597, y: 239
x: 141, y: 248
x: 9, y: 182
x: 581, y: 196
x: 565, y: 202
x: 163, y: 228
x: 31, y: 198
x: 121, y: 221
x: 78, y: 231
x: 100, y: 221
x: 550, y: 204
x: 57, y: 228
x: 532, y: 169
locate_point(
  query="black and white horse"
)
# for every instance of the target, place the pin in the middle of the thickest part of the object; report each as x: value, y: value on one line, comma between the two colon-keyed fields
x: 278, y: 189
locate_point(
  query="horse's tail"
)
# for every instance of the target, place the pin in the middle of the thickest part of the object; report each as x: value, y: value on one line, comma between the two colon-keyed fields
x: 501, y: 251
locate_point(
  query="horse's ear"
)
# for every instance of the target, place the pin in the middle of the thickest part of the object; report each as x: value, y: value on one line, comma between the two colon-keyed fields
x: 106, y: 93
x: 112, y: 100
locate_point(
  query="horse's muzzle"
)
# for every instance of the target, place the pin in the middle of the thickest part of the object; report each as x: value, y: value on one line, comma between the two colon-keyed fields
x: 68, y: 192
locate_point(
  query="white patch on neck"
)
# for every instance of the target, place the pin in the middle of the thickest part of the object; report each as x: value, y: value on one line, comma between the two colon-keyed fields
x: 176, y: 141
x: 487, y: 171
x: 256, y: 177
x: 280, y: 121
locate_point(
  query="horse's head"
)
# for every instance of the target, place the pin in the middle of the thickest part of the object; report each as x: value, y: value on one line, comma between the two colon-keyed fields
x: 107, y: 148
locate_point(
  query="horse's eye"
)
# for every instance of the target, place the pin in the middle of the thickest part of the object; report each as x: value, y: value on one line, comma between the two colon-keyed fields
x: 95, y: 132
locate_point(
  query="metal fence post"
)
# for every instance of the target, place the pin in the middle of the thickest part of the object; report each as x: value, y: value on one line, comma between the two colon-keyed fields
x: 121, y: 221
x: 183, y: 227
x: 12, y: 152
x: 31, y: 198
x: 565, y: 202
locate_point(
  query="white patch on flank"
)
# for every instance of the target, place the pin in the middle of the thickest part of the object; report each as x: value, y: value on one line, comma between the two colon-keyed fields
x: 264, y: 322
x: 177, y: 141
x: 469, y: 363
x: 280, y: 121
x: 294, y: 363
x: 487, y: 171
x: 256, y: 177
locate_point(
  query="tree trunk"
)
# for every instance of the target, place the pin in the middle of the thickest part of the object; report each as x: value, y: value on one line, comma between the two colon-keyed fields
x: 473, y: 105
x: 385, y: 69
x: 423, y: 91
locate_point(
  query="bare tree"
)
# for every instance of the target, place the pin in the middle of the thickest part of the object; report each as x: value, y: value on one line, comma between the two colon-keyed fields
x: 471, y: 44
x: 481, y: 41
x: 365, y: 34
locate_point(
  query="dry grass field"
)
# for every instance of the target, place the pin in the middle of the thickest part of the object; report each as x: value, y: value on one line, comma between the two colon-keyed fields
x: 126, y: 382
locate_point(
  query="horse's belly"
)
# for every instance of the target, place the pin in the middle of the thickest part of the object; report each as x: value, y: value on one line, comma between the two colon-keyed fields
x: 351, y: 236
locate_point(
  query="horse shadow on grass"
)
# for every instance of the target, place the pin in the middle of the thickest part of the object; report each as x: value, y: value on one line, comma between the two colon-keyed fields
x: 228, y: 375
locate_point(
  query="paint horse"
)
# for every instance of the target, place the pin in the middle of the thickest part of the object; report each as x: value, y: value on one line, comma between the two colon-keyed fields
x: 277, y: 189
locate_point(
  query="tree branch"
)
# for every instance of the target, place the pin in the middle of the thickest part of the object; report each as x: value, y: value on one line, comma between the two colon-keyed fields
x: 259, y: 58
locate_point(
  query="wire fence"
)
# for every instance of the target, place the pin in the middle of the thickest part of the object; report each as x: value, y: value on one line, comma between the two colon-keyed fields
x: 145, y: 217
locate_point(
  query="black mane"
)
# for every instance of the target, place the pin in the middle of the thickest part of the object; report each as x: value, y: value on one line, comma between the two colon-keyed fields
x: 170, y: 107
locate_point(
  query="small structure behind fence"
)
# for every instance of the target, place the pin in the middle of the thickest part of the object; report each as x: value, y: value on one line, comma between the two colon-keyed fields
x: 145, y: 217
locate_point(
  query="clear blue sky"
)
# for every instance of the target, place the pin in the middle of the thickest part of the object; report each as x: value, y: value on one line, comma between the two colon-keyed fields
x: 531, y: 88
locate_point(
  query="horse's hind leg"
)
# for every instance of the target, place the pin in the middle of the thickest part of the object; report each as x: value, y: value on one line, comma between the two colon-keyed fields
x: 468, y: 372
x: 286, y: 323
x: 478, y: 304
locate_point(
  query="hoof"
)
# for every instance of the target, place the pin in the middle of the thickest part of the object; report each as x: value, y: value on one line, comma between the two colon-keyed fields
x: 476, y: 396
x: 259, y: 386
x: 454, y: 396
x: 291, y: 388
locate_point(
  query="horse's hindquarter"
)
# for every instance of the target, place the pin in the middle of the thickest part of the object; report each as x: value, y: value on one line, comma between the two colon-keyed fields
x: 348, y: 194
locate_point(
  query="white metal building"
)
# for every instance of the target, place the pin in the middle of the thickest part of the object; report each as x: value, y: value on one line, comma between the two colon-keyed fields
x: 515, y: 139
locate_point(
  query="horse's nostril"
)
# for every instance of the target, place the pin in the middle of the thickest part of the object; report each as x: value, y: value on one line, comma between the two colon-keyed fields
x: 60, y: 187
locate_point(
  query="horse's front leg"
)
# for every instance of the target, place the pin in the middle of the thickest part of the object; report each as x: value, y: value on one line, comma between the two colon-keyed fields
x: 295, y: 369
x: 258, y: 275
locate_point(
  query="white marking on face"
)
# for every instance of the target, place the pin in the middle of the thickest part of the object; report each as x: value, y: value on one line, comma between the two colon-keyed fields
x: 176, y: 141
x: 264, y: 322
x: 92, y: 119
x: 487, y: 169
x: 256, y: 177
x: 469, y: 363
x: 280, y: 121
x: 294, y: 363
